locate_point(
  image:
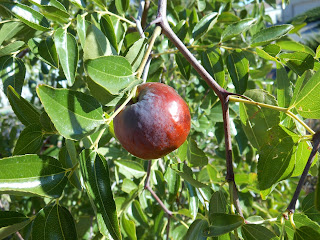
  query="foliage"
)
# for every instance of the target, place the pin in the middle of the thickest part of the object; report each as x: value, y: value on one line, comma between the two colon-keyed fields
x: 66, y: 65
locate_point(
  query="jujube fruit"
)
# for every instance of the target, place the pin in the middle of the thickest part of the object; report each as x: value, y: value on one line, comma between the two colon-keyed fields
x: 156, y: 124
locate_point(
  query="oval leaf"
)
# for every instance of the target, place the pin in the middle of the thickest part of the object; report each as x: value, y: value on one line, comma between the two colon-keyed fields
x: 54, y: 222
x: 28, y: 15
x: 114, y: 73
x: 238, y: 67
x: 204, y: 25
x: 95, y: 173
x: 308, y: 101
x: 8, y: 218
x: 236, y: 29
x: 29, y: 141
x: 67, y: 50
x: 213, y: 63
x: 221, y: 223
x: 24, y: 110
x: 32, y: 175
x: 12, y: 72
x: 270, y: 34
x: 256, y: 232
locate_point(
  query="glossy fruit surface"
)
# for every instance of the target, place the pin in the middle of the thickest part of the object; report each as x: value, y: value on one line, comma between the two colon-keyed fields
x: 156, y: 124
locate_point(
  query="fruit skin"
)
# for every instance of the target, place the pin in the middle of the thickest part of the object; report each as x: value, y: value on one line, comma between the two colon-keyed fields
x: 157, y: 124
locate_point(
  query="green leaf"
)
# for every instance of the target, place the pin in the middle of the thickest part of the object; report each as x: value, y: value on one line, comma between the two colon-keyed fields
x: 74, y: 114
x: 221, y: 223
x: 130, y: 168
x: 204, y: 25
x: 29, y: 16
x: 196, y: 157
x: 95, y: 173
x: 53, y: 10
x: 308, y: 100
x: 82, y: 27
x: 67, y: 162
x: 31, y: 174
x: 301, y: 156
x: 309, y: 207
x: 284, y: 91
x: 300, y: 220
x: 9, y: 230
x: 138, y: 214
x: 196, y: 230
x: 108, y: 30
x: 238, y: 67
x: 12, y: 72
x: 272, y: 49
x: 270, y: 34
x: 213, y: 63
x: 295, y: 46
x: 277, y: 156
x: 114, y: 73
x: 186, y: 173
x: 24, y: 110
x: 122, y: 6
x: 11, y: 48
x: 257, y: 120
x: 173, y: 183
x: 10, y: 29
x: 299, y: 62
x: 265, y: 55
x: 193, y: 200
x: 184, y: 66
x: 218, y: 203
x: 54, y: 222
x: 236, y: 29
x: 47, y: 124
x: 29, y: 141
x: 120, y: 30
x: 45, y: 50
x: 256, y: 232
x: 300, y: 82
x: 8, y: 218
x: 129, y: 227
x: 136, y: 53
x: 317, y: 192
x: 306, y: 233
x: 67, y: 50
x: 96, y: 44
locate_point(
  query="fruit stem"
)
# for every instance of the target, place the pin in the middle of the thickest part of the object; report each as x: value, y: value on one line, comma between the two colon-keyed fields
x: 131, y: 95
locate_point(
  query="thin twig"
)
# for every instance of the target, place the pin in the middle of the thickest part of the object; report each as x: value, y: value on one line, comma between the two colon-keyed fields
x: 316, y: 145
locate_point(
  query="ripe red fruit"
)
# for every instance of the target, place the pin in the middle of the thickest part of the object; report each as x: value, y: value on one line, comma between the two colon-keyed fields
x: 155, y: 125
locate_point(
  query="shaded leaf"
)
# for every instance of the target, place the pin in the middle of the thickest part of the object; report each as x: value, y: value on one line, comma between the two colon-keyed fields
x: 309, y: 207
x: 74, y: 114
x: 204, y: 25
x: 108, y: 30
x: 11, y: 48
x: 136, y: 53
x: 8, y: 218
x: 12, y: 73
x: 10, y: 29
x: 31, y: 174
x: 196, y: 230
x: 29, y: 141
x: 193, y: 200
x: 256, y: 232
x: 186, y: 173
x: 276, y: 159
x: 196, y: 157
x: 300, y: 220
x: 306, y: 233
x: 221, y: 223
x: 213, y: 63
x: 96, y: 44
x: 45, y: 50
x: 82, y: 27
x: 218, y: 203
x: 257, y: 120
x: 284, y: 91
x: 95, y: 173
x: 54, y: 222
x: 238, y: 67
x: 184, y: 66
x: 299, y: 62
x: 7, y: 231
x: 122, y: 6
x: 24, y: 110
